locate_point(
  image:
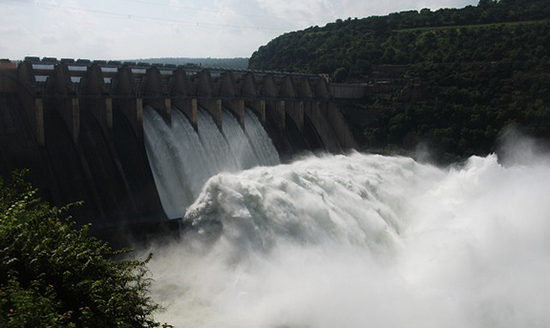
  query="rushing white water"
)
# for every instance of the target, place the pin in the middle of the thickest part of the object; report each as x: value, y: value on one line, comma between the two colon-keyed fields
x: 363, y: 241
x: 260, y: 141
x: 182, y: 160
x: 215, y: 145
x: 239, y: 145
x: 165, y: 152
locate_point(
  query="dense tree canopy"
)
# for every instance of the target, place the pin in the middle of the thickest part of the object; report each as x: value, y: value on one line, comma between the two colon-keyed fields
x: 451, y: 78
x: 360, y: 43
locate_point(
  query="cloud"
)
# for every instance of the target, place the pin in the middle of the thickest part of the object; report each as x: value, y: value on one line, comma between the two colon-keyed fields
x: 360, y: 9
x: 107, y: 29
x: 300, y: 13
x: 16, y: 30
x: 15, y: 1
x: 49, y: 39
x: 175, y: 4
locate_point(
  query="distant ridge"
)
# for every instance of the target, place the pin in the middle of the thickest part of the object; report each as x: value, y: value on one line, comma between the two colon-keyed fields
x: 238, y: 63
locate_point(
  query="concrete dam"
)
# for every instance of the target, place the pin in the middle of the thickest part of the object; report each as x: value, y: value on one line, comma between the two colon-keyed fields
x: 104, y: 132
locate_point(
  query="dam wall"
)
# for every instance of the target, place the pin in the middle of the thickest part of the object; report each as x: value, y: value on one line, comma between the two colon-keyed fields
x: 77, y: 125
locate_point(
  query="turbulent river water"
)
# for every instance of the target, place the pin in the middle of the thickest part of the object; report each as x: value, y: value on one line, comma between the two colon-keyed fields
x: 358, y: 240
x: 363, y: 241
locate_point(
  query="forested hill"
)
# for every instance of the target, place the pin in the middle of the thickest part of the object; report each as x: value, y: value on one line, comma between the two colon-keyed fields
x: 400, y: 38
x: 452, y: 78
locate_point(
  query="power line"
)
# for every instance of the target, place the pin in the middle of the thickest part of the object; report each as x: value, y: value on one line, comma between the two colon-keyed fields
x: 146, y: 18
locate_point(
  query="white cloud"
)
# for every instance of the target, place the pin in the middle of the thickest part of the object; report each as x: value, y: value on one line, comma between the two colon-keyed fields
x: 300, y: 13
x: 15, y: 31
x: 176, y: 4
x: 48, y: 40
x: 105, y: 29
x: 15, y: 1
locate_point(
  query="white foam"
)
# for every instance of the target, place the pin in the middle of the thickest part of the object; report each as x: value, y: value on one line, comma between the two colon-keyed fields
x: 364, y: 241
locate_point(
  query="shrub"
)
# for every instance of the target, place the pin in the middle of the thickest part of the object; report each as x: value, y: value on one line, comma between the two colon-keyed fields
x: 54, y: 274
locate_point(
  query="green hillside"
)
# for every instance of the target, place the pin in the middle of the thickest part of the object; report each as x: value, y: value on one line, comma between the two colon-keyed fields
x: 453, y: 78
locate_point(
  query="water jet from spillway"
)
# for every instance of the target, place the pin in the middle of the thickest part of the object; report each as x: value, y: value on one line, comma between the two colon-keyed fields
x: 183, y: 159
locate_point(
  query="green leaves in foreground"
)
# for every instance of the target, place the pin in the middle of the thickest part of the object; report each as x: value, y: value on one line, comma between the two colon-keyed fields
x: 54, y: 274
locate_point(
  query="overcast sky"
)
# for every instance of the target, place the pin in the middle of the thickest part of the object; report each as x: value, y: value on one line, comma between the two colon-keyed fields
x: 132, y: 29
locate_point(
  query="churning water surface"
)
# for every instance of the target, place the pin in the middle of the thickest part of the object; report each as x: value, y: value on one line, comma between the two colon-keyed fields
x: 361, y: 241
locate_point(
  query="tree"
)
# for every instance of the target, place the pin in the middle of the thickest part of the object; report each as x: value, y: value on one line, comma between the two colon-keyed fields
x: 54, y: 274
x: 339, y: 75
x: 485, y: 3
